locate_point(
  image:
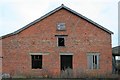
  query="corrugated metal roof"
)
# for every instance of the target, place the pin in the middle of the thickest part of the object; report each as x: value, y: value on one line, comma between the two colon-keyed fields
x: 116, y: 50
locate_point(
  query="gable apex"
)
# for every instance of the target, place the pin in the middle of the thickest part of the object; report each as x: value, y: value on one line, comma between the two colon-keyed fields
x: 50, y: 13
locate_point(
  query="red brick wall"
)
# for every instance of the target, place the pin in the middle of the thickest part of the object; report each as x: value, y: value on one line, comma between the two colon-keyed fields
x: 82, y: 37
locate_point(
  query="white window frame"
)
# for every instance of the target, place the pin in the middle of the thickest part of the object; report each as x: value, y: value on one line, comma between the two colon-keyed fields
x: 90, y: 63
x: 58, y: 42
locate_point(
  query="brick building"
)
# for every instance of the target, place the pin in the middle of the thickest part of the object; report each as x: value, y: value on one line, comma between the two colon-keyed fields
x: 58, y: 40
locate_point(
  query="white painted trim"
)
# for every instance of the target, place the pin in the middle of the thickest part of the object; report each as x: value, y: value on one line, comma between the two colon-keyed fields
x: 57, y: 40
x: 66, y: 53
x: 46, y: 53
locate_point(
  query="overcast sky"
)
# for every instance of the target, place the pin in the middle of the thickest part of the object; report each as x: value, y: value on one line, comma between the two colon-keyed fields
x: 15, y: 14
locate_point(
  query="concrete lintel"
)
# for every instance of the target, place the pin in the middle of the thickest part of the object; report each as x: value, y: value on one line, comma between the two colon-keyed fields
x: 46, y: 53
x: 66, y: 53
x: 93, y: 53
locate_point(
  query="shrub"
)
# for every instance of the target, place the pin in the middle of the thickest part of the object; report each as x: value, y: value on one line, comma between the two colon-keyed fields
x: 67, y: 73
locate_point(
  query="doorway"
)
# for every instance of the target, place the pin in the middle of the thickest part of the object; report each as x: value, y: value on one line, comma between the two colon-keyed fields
x: 66, y: 61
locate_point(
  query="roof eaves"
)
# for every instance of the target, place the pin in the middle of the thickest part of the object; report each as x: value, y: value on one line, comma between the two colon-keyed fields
x: 7, y: 35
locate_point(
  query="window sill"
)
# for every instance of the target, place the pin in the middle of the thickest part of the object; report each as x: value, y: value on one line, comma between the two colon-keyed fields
x: 60, y: 30
x: 61, y: 46
x: 37, y: 69
x: 93, y: 69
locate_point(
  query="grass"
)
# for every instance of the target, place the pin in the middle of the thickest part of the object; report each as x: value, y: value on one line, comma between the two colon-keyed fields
x: 62, y: 79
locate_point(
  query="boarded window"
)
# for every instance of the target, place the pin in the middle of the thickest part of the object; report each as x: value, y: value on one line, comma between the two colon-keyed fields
x: 93, y: 61
x: 61, y: 41
x: 36, y: 61
x: 61, y: 26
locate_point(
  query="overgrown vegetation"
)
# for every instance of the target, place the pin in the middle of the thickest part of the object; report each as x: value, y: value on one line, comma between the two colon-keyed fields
x: 118, y: 68
x: 69, y: 74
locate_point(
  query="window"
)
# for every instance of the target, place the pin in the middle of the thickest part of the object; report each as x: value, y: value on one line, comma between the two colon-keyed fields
x: 36, y: 61
x: 61, y: 26
x: 61, y: 41
x: 93, y: 61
